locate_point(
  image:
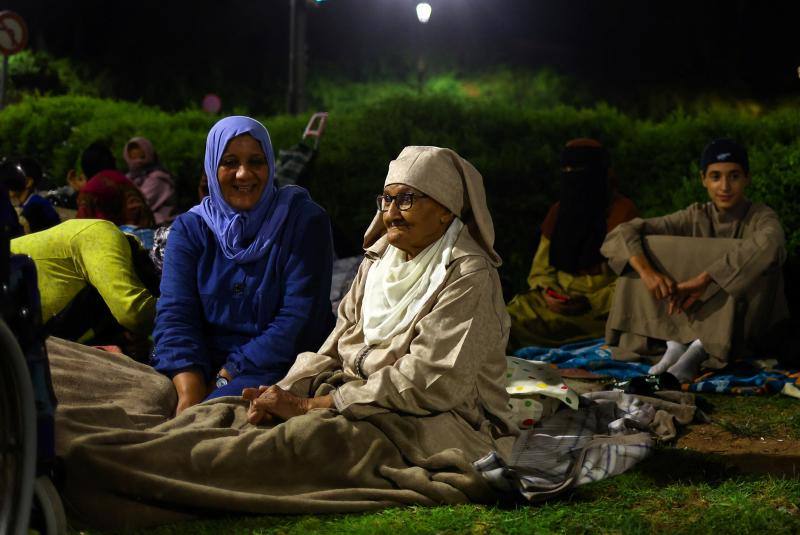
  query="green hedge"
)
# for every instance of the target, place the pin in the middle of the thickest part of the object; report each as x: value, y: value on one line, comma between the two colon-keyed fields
x: 56, y: 129
x: 515, y: 147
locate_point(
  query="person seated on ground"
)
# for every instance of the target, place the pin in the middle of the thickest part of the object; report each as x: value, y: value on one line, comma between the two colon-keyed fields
x: 247, y: 274
x: 423, y: 329
x: 108, y: 194
x: 93, y: 159
x: 151, y: 178
x: 21, y: 178
x: 67, y: 195
x: 733, y: 293
x: 97, y: 286
x: 571, y: 286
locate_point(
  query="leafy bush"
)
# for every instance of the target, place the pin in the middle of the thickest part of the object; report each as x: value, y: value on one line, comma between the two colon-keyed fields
x: 522, y: 88
x: 56, y: 129
x: 515, y: 147
x: 42, y: 74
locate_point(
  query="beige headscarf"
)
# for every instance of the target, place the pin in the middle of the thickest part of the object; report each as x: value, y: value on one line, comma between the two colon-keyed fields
x: 451, y: 181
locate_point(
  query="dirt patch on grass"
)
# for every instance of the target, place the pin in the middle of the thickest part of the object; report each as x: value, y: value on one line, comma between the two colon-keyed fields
x: 777, y: 456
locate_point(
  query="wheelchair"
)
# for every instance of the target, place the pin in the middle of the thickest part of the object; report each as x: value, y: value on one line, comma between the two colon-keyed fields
x: 29, y: 501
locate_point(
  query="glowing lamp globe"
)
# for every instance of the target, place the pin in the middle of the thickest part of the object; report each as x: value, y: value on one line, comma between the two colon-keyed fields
x: 424, y: 12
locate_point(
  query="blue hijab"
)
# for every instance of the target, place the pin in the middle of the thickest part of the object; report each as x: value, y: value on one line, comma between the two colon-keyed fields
x: 244, y: 236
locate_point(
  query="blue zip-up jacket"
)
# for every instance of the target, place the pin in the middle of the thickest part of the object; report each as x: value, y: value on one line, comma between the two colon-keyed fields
x: 39, y: 213
x: 252, y: 319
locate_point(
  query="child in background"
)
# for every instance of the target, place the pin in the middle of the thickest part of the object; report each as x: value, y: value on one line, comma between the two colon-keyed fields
x: 21, y: 178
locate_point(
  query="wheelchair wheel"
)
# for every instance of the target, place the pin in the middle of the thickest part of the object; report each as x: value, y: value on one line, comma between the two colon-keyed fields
x: 17, y: 436
x: 47, y: 516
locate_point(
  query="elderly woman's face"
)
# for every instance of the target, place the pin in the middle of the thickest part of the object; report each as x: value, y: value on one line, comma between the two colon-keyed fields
x: 243, y: 172
x: 414, y: 229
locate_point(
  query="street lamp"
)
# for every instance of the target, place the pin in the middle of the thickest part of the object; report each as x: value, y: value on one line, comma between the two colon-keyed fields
x: 424, y: 12
x: 423, y: 15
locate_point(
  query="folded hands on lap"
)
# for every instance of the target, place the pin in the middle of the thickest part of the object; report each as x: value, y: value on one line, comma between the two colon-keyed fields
x: 681, y: 296
x: 270, y: 402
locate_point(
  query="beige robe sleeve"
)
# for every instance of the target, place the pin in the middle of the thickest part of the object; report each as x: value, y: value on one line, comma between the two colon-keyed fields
x: 625, y: 241
x: 764, y: 247
x: 440, y: 370
x: 309, y: 364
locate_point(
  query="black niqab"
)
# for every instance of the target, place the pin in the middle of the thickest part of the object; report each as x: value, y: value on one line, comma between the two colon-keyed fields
x: 583, y: 208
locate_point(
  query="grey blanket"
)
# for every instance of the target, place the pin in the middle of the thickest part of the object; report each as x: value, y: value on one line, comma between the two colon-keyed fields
x: 608, y: 435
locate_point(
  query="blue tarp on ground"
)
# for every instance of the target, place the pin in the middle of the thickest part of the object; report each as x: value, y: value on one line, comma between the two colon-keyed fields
x: 592, y: 355
x: 745, y: 377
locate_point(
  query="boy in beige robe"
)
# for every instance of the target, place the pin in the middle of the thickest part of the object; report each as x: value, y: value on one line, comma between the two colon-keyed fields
x: 709, y: 299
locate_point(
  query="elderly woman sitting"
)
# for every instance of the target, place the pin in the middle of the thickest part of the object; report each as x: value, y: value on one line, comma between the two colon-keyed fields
x: 246, y: 274
x: 404, y: 395
x: 423, y: 329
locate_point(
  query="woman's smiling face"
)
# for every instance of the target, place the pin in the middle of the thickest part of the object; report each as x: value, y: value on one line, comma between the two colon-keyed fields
x: 243, y: 172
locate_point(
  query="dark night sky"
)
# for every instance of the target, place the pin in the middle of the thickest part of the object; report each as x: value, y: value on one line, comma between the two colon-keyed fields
x: 157, y: 48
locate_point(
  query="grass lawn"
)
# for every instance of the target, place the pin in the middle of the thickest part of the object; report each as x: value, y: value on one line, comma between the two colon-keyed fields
x: 677, y: 490
x: 773, y: 416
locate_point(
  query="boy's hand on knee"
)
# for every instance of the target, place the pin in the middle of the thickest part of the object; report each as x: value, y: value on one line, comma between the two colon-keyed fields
x: 689, y: 292
x: 658, y: 284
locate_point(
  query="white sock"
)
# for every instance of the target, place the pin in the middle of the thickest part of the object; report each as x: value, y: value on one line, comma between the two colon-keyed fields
x: 689, y: 363
x: 671, y: 356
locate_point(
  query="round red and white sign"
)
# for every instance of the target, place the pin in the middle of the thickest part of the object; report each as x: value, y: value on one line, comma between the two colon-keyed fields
x: 13, y: 33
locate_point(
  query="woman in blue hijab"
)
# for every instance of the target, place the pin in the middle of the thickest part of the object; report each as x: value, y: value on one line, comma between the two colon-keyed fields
x: 247, y: 274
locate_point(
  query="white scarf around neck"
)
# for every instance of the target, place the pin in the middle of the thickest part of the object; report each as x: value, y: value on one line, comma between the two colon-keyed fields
x: 396, y: 288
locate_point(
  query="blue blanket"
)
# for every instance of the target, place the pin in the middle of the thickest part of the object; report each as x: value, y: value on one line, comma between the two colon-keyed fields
x: 592, y: 355
x: 742, y: 377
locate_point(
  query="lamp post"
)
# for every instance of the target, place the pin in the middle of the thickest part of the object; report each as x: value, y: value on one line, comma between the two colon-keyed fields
x: 423, y: 16
x: 296, y: 98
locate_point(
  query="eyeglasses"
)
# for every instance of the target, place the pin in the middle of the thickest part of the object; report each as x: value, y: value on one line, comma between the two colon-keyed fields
x: 404, y: 200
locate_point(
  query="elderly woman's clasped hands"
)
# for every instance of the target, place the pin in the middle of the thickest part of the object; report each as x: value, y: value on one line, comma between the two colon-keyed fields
x: 270, y: 402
